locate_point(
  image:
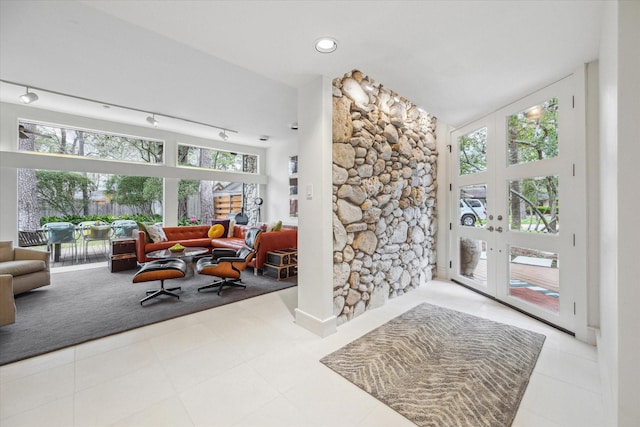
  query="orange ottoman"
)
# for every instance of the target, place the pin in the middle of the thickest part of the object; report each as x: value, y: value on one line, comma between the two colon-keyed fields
x: 161, y: 270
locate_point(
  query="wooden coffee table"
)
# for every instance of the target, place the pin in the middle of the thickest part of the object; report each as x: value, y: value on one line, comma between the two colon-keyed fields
x: 187, y: 255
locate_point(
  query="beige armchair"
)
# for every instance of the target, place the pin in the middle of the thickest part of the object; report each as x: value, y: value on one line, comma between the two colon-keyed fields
x: 7, y: 303
x: 28, y: 267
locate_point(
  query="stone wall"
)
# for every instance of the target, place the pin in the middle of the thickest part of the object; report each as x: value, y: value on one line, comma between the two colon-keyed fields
x: 384, y: 194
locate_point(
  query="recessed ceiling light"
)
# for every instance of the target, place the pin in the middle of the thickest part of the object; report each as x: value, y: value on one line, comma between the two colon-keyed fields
x: 326, y: 45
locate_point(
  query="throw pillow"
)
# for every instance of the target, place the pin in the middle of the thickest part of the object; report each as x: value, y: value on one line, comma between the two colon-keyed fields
x: 156, y: 233
x: 143, y: 227
x: 216, y: 230
x: 277, y: 227
x: 224, y: 223
x: 232, y: 224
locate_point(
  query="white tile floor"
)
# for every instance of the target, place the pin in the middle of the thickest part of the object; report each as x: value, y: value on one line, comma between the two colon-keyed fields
x: 249, y: 364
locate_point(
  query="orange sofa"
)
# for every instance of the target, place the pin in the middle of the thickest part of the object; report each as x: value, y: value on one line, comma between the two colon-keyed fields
x: 192, y: 235
x: 196, y: 235
x: 270, y: 240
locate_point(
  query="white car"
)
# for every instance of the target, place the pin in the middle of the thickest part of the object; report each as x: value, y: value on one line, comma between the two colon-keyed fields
x: 472, y: 210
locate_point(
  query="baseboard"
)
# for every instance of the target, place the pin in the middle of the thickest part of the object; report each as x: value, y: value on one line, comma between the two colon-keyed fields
x: 605, y: 379
x: 322, y: 328
x: 441, y: 273
x: 591, y: 335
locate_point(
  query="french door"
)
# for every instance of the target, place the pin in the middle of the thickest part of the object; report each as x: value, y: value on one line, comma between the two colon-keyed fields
x: 518, y: 206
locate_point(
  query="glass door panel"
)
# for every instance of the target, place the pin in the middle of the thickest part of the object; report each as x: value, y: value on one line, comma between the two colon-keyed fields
x: 473, y: 210
x: 533, y: 133
x: 533, y: 205
x: 473, y: 152
x: 534, y: 278
x: 473, y: 260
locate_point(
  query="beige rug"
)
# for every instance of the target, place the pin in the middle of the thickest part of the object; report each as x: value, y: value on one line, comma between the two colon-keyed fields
x: 439, y: 367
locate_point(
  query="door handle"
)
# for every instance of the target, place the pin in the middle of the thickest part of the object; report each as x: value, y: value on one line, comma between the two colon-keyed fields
x: 499, y: 229
x: 490, y: 228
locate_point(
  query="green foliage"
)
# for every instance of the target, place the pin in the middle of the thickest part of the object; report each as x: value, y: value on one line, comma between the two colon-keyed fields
x: 58, y: 190
x: 546, y: 210
x: 76, y: 219
x: 533, y: 134
x: 218, y: 160
x: 136, y: 191
x: 54, y: 139
x: 189, y: 221
x: 187, y: 187
x: 473, y: 152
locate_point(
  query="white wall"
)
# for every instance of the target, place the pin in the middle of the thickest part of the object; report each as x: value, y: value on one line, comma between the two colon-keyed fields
x: 628, y: 206
x: 593, y: 195
x: 619, y: 340
x: 278, y: 188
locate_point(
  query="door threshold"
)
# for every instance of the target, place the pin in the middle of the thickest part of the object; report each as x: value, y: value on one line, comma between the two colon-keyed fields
x: 539, y: 319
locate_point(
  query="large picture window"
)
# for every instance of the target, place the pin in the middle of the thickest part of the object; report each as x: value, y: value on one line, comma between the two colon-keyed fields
x: 50, y: 196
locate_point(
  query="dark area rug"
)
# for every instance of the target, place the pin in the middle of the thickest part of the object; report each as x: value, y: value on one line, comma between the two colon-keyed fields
x: 84, y: 305
x: 439, y: 367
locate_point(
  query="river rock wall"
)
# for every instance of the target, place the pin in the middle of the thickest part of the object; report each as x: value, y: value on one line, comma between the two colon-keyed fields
x: 384, y: 195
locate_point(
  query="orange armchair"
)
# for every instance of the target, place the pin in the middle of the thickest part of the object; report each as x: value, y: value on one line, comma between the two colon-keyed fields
x: 228, y: 264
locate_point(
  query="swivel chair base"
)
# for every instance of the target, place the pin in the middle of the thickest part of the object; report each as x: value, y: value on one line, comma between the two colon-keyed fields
x: 226, y: 283
x: 162, y: 291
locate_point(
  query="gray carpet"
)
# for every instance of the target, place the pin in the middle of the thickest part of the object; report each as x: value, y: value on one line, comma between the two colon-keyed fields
x: 439, y: 367
x: 84, y: 305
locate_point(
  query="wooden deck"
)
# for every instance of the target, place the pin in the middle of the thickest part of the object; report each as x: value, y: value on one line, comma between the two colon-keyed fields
x: 548, y: 278
x: 544, y: 277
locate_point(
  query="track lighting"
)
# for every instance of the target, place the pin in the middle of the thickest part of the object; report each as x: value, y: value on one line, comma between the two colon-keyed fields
x: 28, y: 97
x: 152, y: 120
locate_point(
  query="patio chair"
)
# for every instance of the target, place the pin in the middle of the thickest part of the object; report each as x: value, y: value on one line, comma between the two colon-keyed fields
x: 92, y: 231
x: 123, y: 228
x: 59, y: 233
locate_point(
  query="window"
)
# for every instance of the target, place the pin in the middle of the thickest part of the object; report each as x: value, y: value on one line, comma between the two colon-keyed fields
x: 54, y: 139
x: 216, y: 159
x: 50, y: 196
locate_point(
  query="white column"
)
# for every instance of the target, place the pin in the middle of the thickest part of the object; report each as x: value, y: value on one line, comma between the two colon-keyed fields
x: 170, y: 185
x: 8, y: 178
x: 315, y: 222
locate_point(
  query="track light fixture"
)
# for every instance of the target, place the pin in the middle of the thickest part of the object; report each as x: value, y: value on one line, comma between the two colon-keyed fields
x: 28, y: 97
x: 223, y: 135
x: 152, y: 120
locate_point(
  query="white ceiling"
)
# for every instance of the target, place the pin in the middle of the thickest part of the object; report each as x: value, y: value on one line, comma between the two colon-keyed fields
x: 237, y: 64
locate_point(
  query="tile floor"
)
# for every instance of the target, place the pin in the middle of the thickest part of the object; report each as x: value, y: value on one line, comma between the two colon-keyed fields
x: 249, y: 364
